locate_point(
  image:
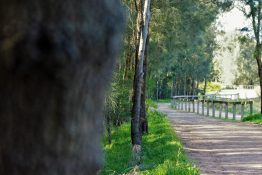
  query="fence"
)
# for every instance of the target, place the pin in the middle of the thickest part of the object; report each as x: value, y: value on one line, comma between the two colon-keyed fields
x: 207, y: 105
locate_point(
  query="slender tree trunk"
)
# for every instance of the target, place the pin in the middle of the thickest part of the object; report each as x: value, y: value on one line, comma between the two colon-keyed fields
x: 143, y: 22
x: 184, y: 86
x: 256, y: 23
x: 205, y: 86
x: 157, y: 90
x: 259, y: 64
x: 193, y: 87
x: 260, y: 80
x: 144, y: 122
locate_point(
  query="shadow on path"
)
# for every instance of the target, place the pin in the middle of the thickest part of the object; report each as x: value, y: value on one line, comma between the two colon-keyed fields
x: 218, y: 147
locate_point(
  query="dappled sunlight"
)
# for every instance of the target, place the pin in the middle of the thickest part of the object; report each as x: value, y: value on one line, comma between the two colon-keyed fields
x: 219, y: 147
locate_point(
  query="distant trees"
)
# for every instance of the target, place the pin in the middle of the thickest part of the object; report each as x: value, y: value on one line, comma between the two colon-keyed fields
x: 246, y: 72
x: 254, y: 13
x: 182, y: 46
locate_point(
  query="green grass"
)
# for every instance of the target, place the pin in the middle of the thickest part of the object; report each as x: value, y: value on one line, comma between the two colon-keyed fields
x: 162, y: 152
x: 256, y: 118
x: 164, y: 101
x: 151, y: 103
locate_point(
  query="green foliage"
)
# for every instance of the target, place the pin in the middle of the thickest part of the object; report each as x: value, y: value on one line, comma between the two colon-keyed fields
x: 246, y: 73
x: 164, y: 100
x: 151, y: 103
x: 211, y: 86
x: 256, y: 118
x: 162, y: 152
x: 182, y: 44
x: 118, y: 101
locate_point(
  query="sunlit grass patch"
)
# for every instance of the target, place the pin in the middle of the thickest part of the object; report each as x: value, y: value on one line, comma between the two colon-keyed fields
x: 162, y: 152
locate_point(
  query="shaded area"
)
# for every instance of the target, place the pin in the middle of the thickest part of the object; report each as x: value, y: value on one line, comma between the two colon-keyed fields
x: 218, y: 147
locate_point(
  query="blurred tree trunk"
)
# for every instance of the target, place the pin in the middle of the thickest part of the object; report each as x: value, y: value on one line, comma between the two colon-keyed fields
x: 56, y: 61
x: 108, y: 127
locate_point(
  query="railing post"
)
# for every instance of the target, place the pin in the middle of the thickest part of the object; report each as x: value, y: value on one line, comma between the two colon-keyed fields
x: 226, y: 110
x: 203, y: 110
x: 193, y: 105
x: 173, y: 103
x: 189, y: 105
x: 234, y: 111
x: 197, y: 106
x: 242, y: 110
x: 207, y: 107
x: 186, y: 105
x: 251, y: 107
x: 214, y: 109
x: 220, y: 109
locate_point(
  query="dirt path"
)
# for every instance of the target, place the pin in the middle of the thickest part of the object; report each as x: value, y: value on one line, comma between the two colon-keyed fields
x: 218, y: 147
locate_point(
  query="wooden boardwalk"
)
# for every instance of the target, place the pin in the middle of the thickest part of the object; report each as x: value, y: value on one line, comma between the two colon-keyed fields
x: 216, y: 146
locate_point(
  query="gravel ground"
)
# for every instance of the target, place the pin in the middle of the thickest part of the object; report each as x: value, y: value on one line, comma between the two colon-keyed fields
x: 218, y: 147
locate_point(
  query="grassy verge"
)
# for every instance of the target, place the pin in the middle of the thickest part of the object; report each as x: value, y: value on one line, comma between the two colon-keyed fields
x: 164, y: 101
x: 256, y: 118
x: 162, y: 152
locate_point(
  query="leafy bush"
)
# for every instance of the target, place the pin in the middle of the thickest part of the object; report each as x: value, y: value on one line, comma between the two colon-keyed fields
x: 151, y: 103
x: 256, y: 118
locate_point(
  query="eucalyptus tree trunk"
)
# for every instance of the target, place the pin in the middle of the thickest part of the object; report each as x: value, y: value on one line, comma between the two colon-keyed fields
x: 144, y: 122
x: 205, y: 86
x: 193, y: 88
x: 255, y: 12
x: 258, y: 59
x: 56, y: 60
x: 136, y: 135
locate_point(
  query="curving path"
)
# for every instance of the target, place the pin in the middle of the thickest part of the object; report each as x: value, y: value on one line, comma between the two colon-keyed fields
x: 216, y: 146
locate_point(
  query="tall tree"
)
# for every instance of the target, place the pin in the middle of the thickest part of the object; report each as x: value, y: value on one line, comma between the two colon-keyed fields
x: 246, y: 70
x: 143, y: 18
x: 255, y: 7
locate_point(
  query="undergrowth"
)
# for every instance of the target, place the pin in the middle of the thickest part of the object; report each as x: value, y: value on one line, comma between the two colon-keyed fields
x: 256, y: 118
x: 162, y: 152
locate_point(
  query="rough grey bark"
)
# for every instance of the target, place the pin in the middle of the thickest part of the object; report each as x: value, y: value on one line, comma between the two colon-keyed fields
x: 138, y: 78
x: 143, y: 115
x: 56, y: 58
